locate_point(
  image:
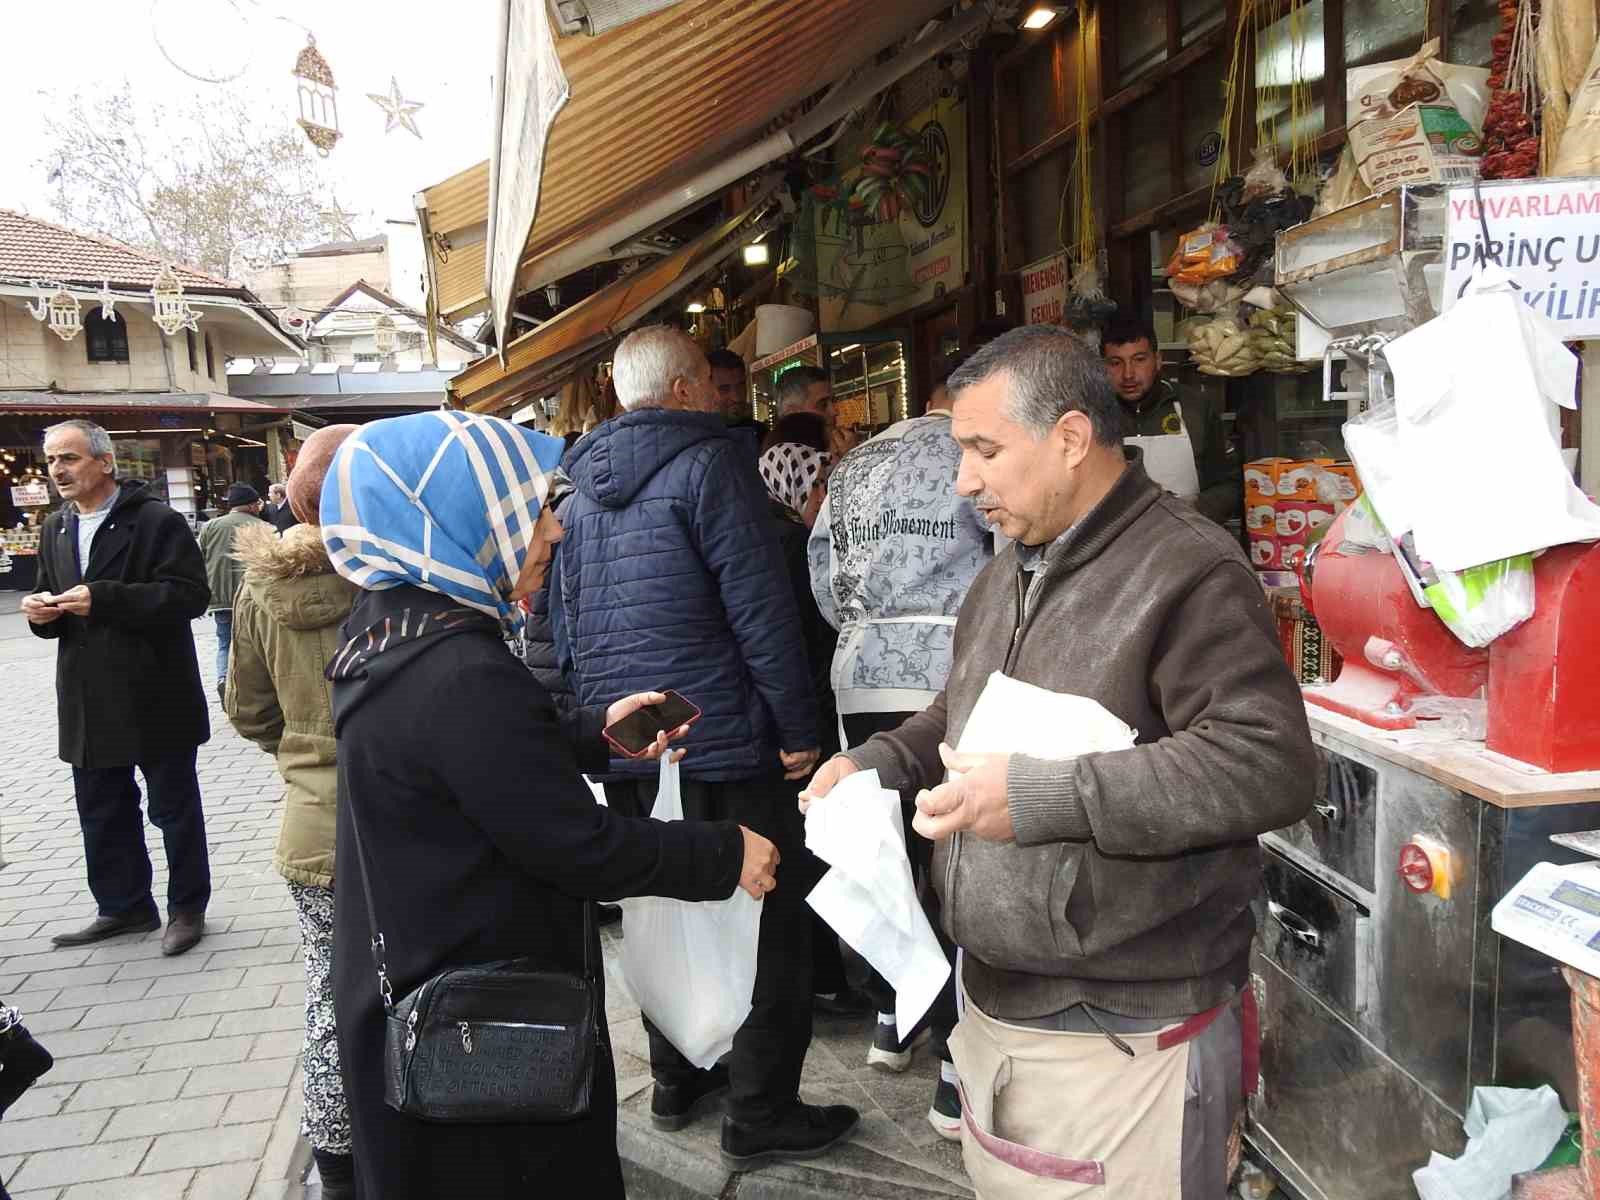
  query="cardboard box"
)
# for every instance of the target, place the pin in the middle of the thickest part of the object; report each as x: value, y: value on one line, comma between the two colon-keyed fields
x: 1264, y: 552
x: 1422, y: 143
x: 1349, y: 480
x: 1274, y: 479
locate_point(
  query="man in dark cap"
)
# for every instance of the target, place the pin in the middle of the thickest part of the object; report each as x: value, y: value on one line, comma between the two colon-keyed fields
x: 224, y: 572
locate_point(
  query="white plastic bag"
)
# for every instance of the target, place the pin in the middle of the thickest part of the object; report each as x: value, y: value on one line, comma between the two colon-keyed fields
x: 1480, y: 603
x: 691, y: 967
x: 1510, y: 1130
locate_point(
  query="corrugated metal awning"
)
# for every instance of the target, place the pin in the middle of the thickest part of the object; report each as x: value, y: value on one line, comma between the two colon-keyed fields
x: 652, y: 105
x: 543, y: 357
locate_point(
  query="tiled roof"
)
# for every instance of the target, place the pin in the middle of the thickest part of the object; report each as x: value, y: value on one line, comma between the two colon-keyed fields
x: 35, y: 249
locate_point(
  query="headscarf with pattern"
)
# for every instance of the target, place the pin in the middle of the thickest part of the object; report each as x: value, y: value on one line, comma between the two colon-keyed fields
x: 790, y: 470
x: 443, y: 500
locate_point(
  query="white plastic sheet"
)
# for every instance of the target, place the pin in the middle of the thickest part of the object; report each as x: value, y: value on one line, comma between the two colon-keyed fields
x: 1475, y: 397
x: 1509, y: 1131
x: 691, y: 967
x: 1013, y: 717
x: 868, y: 897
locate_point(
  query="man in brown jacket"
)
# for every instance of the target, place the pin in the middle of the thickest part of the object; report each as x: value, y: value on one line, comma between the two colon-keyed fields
x: 1102, y: 904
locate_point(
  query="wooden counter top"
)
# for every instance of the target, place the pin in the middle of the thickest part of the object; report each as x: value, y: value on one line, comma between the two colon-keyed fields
x: 1466, y: 766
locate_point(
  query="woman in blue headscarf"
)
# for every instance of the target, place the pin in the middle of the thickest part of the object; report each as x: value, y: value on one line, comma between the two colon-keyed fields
x: 483, y: 841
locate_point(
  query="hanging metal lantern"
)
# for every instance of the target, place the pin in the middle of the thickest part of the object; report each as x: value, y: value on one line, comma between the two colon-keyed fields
x: 172, y: 311
x: 319, y: 102
x: 383, y: 334
x: 64, y: 316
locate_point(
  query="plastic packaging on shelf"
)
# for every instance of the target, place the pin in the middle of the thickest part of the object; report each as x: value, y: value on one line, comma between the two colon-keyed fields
x: 1223, y: 347
x: 1272, y: 335
x: 1480, y: 603
x: 1204, y: 254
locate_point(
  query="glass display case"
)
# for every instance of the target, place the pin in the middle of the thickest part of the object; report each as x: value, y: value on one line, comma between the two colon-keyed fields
x: 870, y: 373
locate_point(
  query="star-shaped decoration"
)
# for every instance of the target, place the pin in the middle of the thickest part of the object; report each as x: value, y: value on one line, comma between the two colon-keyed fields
x: 397, y: 109
x: 339, y: 220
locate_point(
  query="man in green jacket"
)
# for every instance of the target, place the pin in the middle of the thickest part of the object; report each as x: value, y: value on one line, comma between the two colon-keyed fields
x: 1101, y: 902
x: 224, y: 572
x: 1173, y: 429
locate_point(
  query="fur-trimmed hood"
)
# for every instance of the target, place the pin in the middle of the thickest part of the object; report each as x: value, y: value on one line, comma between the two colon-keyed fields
x: 291, y: 576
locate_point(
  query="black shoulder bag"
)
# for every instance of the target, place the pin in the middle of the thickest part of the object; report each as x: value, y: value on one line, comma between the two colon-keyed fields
x: 22, y: 1060
x: 498, y: 1043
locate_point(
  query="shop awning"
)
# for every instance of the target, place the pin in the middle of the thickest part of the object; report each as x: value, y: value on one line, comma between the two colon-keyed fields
x: 542, y: 358
x: 49, y: 403
x: 652, y: 106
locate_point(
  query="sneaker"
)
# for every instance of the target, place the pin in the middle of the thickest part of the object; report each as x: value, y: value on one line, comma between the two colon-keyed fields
x: 945, y: 1113
x: 803, y: 1131
x: 888, y: 1053
x: 674, y: 1105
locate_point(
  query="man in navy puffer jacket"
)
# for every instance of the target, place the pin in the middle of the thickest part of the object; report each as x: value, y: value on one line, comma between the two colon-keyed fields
x: 670, y: 576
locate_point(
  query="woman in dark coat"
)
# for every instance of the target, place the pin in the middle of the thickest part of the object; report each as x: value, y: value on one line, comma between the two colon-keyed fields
x: 482, y: 841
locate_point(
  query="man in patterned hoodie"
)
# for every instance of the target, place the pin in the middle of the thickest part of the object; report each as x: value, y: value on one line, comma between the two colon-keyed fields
x: 892, y: 555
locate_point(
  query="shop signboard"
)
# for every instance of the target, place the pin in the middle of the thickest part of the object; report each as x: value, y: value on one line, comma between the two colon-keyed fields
x: 1545, y: 233
x: 869, y: 273
x: 30, y: 495
x: 1044, y: 290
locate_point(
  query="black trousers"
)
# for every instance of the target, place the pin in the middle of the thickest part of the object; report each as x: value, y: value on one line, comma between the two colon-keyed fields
x: 770, y: 1048
x: 941, y: 1018
x: 113, y: 836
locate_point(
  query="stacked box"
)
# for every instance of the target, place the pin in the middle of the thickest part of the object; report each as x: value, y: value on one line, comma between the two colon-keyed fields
x: 1283, y: 511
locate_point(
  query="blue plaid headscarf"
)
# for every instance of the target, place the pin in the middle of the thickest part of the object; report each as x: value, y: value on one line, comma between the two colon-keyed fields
x: 444, y: 500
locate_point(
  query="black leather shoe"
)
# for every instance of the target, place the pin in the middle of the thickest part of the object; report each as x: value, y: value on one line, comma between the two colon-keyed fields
x: 848, y: 1003
x: 804, y: 1131
x: 101, y: 928
x: 183, y: 931
x: 674, y: 1105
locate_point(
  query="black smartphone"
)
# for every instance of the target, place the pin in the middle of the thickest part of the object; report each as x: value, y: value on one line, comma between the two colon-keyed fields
x: 636, y: 733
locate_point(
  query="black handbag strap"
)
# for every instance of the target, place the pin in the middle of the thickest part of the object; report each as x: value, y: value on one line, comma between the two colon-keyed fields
x: 380, y: 947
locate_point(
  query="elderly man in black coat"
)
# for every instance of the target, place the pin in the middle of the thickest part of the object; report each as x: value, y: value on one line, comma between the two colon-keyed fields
x: 120, y: 578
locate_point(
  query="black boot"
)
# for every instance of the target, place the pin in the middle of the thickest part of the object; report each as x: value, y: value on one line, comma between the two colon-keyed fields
x: 803, y: 1131
x: 674, y: 1105
x: 337, y: 1173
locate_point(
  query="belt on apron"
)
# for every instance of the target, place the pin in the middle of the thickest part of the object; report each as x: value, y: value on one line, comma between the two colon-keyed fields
x: 1053, y: 1115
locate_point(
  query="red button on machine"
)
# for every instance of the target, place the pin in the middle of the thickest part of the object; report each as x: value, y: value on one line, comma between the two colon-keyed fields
x: 1425, y: 867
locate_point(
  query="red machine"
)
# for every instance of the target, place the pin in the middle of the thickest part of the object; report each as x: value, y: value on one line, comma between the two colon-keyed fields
x: 1541, y: 680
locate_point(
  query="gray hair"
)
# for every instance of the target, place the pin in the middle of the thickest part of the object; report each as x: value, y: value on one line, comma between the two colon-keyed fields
x: 794, y: 383
x: 647, y: 363
x: 100, y: 443
x: 1051, y: 373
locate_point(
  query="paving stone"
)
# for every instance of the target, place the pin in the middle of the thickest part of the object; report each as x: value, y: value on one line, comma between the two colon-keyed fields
x: 165, y: 1033
x: 261, y: 1020
x: 70, y: 977
x: 52, y: 1019
x: 238, y: 1077
x: 230, y: 1182
x: 287, y: 1043
x: 291, y: 972
x: 256, y: 956
x: 168, y: 1186
x: 41, y: 1100
x: 171, y: 1116
x: 127, y: 1089
x: 98, y: 1066
x: 232, y: 1000
x: 205, y: 981
x: 70, y: 1043
x: 204, y: 1148
x: 57, y: 1168
x: 262, y: 1104
x: 184, y: 964
x: 133, y: 1011
x: 207, y: 1053
x: 51, y: 1133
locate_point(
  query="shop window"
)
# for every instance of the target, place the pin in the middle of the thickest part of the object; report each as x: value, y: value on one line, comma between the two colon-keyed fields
x: 1381, y: 30
x: 1042, y: 80
x: 1202, y: 100
x: 211, y: 359
x: 194, y: 359
x: 1473, y: 24
x: 1196, y: 18
x: 140, y: 458
x: 1041, y: 202
x: 1291, y: 48
x: 105, y: 341
x: 1147, y: 154
x: 1141, y: 37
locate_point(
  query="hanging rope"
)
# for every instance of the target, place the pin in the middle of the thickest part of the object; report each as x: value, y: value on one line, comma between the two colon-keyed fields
x: 1233, y: 87
x: 1083, y: 246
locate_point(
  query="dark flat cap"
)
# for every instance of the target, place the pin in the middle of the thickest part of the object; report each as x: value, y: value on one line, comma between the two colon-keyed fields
x: 240, y: 494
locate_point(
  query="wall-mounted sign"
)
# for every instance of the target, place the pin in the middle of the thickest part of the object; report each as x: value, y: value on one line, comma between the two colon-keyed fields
x: 1044, y: 290
x: 870, y: 272
x: 30, y: 495
x: 1545, y: 234
x: 1209, y: 150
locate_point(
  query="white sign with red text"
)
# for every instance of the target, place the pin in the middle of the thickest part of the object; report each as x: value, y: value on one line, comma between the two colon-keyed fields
x: 1545, y: 233
x: 1044, y: 290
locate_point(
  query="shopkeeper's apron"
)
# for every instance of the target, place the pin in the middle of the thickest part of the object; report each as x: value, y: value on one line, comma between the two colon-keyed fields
x: 1169, y: 458
x: 1050, y: 1115
x: 853, y: 700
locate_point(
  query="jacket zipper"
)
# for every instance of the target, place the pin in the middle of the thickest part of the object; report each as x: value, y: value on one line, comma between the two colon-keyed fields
x: 1011, y: 658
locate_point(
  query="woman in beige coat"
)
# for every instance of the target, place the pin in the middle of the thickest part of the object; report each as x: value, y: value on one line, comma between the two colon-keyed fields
x: 285, y: 631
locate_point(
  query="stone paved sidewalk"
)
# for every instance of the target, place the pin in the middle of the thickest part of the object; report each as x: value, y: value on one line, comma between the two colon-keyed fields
x: 173, y: 1077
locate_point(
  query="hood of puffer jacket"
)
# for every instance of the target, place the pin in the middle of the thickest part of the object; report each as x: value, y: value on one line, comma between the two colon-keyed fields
x: 292, y: 577
x: 613, y: 463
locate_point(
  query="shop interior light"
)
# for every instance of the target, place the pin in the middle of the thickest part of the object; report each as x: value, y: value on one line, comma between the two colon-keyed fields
x: 694, y: 306
x: 757, y: 255
x: 1041, y: 15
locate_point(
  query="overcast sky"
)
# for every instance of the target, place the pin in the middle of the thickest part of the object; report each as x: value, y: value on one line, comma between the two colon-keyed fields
x: 440, y: 54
